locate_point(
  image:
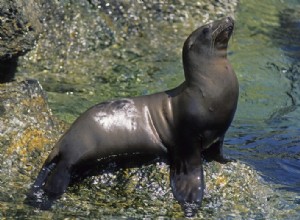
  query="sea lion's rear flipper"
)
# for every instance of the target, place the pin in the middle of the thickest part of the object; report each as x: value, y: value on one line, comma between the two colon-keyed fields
x: 50, y: 184
x: 36, y: 196
x: 58, y: 181
x: 187, y: 182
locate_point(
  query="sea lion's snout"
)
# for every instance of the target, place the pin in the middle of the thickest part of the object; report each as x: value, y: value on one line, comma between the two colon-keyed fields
x: 223, y: 32
x: 229, y: 20
x: 227, y: 24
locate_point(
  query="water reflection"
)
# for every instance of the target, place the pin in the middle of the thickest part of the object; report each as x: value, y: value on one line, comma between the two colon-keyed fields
x: 288, y: 33
x: 273, y: 150
x: 287, y: 37
x: 266, y: 132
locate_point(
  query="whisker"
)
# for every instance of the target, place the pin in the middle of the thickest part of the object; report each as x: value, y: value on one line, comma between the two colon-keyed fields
x: 216, y: 30
x: 212, y: 44
x: 214, y: 39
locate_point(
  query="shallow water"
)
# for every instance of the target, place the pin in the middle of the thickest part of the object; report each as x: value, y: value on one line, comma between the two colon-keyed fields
x: 264, y: 53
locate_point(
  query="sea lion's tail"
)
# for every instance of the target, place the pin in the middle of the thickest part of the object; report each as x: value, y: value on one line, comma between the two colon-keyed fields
x: 50, y: 183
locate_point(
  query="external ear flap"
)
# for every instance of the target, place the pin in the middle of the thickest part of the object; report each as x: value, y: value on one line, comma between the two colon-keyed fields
x: 187, y: 183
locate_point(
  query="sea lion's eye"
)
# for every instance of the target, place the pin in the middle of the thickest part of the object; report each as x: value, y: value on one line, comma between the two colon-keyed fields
x: 205, y: 31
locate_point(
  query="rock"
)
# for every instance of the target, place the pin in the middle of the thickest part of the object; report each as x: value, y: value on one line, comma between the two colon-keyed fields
x: 20, y: 26
x: 27, y: 126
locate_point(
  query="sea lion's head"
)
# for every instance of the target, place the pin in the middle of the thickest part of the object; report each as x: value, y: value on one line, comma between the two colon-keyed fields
x: 207, y: 42
x: 210, y: 38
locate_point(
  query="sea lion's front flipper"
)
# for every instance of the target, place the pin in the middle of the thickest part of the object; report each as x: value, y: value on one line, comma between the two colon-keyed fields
x: 215, y: 152
x: 187, y: 182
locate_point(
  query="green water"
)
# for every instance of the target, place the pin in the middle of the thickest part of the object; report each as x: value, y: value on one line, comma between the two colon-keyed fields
x: 263, y: 90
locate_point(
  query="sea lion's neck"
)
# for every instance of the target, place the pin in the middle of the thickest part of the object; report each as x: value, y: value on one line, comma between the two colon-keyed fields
x: 206, y: 68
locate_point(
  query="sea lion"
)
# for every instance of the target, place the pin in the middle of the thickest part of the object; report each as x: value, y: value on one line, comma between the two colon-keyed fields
x: 184, y: 125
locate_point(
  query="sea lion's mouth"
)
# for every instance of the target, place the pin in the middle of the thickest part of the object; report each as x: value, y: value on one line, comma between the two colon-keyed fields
x: 224, y: 35
x: 223, y: 32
